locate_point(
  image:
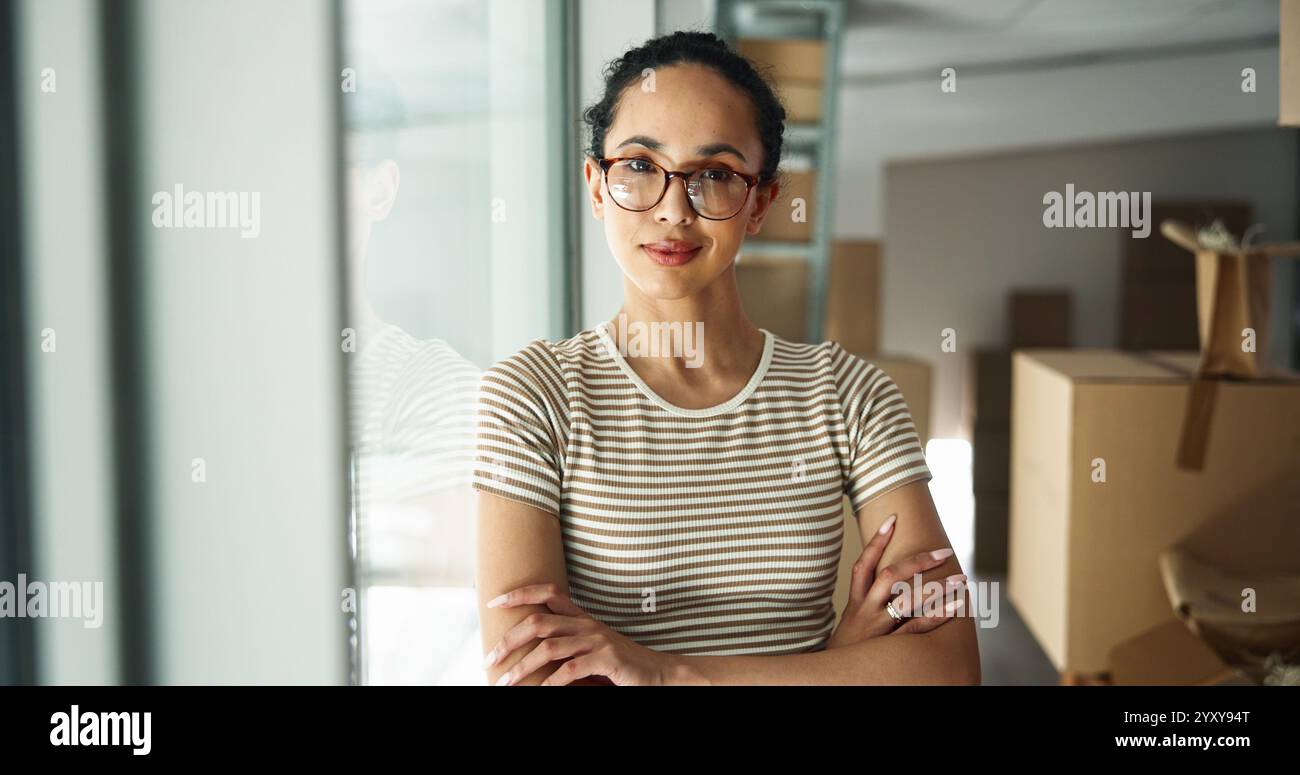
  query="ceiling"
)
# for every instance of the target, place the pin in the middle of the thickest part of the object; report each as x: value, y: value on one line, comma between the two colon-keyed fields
x: 889, y: 39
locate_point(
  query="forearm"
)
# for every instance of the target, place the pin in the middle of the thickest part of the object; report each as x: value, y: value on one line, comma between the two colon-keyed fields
x: 947, y: 655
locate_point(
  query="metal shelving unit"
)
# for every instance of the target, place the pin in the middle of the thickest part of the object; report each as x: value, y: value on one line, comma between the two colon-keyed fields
x: 804, y: 19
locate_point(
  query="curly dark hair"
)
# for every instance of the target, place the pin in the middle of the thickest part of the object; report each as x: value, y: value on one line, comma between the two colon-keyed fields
x: 699, y: 48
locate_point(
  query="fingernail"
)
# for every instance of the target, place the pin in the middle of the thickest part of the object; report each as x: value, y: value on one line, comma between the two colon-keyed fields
x: 956, y: 579
x: 951, y: 606
x: 941, y: 554
x: 490, y: 658
x: 504, y: 680
x: 496, y: 601
x: 888, y: 524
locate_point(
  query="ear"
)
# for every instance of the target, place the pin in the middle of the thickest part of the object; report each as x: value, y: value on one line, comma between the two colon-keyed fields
x: 764, y: 196
x: 595, y: 185
x: 381, y: 189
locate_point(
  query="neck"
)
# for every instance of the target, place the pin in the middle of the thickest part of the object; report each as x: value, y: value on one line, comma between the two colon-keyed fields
x: 712, y: 322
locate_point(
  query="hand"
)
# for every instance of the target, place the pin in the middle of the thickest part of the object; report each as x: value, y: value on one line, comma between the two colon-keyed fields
x: 865, y: 615
x: 589, y: 649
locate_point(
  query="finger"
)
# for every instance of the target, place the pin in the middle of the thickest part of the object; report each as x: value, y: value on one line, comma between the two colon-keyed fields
x: 864, y: 570
x: 581, y: 667
x: 920, y: 624
x: 537, y: 594
x: 531, y: 627
x: 939, y: 607
x: 906, y: 601
x: 904, y: 570
x: 543, y: 654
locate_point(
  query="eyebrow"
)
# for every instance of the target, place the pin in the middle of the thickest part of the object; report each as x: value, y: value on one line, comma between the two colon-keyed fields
x: 712, y: 149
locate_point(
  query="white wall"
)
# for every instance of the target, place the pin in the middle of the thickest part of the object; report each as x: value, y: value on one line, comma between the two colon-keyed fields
x: 1036, y: 108
x: 961, y: 232
x: 243, y: 341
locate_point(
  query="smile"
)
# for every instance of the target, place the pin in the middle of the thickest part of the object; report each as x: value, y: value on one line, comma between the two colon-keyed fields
x: 671, y: 253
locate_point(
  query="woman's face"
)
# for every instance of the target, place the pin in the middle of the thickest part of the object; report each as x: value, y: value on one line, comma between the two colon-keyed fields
x: 684, y: 117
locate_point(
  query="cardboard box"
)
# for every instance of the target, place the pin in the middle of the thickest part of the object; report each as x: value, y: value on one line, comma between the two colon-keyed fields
x: 1083, y: 569
x: 1158, y: 316
x: 1289, y: 64
x: 795, y: 59
x: 1158, y: 281
x: 780, y: 223
x: 1248, y: 552
x: 796, y: 67
x: 775, y: 294
x: 988, y: 388
x: 1170, y: 655
x: 913, y: 378
x: 1040, y: 318
x: 802, y: 101
x: 1154, y: 260
x: 853, y: 296
x: 991, y: 459
x: 992, y: 528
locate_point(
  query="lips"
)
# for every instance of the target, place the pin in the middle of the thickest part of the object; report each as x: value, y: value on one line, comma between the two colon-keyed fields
x: 671, y: 252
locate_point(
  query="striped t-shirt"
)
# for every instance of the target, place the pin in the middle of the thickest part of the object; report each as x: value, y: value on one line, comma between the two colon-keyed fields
x: 697, y: 531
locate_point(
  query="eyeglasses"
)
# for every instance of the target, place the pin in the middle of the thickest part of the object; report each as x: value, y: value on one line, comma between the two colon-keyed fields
x: 715, y: 193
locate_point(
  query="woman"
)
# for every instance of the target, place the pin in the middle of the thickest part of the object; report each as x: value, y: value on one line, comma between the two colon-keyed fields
x: 675, y: 517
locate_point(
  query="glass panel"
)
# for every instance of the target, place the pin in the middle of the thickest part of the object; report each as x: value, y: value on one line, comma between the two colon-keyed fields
x: 452, y: 265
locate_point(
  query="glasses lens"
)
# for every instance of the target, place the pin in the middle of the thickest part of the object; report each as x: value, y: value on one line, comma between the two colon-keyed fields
x: 717, y: 193
x: 635, y: 184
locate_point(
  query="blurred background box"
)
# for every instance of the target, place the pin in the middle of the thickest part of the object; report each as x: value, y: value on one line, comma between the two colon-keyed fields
x: 1289, y: 64
x: 798, y: 70
x: 1170, y: 655
x: 1158, y: 279
x: 1083, y: 569
x: 774, y: 291
x: 988, y: 402
x: 853, y: 296
x: 802, y: 100
x: 1040, y: 317
x: 988, y: 388
x: 795, y: 59
x: 1248, y: 548
x: 780, y: 223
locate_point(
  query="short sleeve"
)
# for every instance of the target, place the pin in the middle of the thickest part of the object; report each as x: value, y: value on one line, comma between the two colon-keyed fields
x: 885, y: 450
x: 518, y: 447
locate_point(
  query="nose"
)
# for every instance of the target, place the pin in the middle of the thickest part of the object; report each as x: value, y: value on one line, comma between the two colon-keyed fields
x: 675, y: 208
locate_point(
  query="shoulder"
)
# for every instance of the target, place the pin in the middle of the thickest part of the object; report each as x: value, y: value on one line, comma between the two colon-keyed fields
x: 852, y: 374
x: 542, y: 369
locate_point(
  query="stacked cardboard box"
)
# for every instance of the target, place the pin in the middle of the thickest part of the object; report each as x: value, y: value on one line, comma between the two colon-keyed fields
x: 788, y: 220
x: 1169, y: 654
x: 1035, y: 318
x: 1158, y: 281
x: 775, y: 294
x: 853, y: 296
x: 1289, y: 64
x: 798, y: 68
x: 1040, y: 317
x: 1097, y: 495
x: 989, y: 402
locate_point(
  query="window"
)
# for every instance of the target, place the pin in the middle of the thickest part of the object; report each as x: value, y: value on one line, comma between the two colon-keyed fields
x: 458, y: 141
